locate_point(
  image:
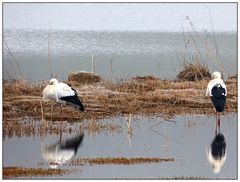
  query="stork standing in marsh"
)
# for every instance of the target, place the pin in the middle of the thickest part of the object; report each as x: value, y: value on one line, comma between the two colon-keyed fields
x: 217, y: 91
x: 61, y: 93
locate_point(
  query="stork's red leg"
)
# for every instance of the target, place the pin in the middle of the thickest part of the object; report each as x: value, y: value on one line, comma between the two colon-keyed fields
x: 218, y: 122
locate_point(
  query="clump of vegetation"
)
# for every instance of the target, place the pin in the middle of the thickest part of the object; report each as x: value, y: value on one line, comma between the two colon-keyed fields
x: 13, y: 172
x: 84, y: 77
x: 233, y: 77
x: 194, y: 72
x: 199, y: 49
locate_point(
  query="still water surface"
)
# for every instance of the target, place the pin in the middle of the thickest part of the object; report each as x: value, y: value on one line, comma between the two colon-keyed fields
x: 185, y: 138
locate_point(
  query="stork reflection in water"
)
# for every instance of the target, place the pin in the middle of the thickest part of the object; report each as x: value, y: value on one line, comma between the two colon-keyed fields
x: 62, y: 151
x: 217, y: 152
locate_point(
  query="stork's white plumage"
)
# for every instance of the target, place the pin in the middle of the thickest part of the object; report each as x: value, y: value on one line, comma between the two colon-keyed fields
x: 62, y: 94
x: 216, y: 80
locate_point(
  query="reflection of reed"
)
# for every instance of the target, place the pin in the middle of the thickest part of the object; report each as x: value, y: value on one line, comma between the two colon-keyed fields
x: 129, y: 122
x: 130, y: 130
x: 94, y: 127
x: 32, y: 128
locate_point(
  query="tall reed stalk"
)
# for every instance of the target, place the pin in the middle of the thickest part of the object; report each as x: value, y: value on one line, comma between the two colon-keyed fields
x: 210, y: 45
x: 15, y: 61
x: 49, y: 51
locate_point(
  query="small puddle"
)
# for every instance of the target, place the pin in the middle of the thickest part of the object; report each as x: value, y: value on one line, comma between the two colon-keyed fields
x: 184, y: 139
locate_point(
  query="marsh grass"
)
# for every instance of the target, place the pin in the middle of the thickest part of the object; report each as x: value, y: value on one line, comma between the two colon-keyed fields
x: 142, y: 95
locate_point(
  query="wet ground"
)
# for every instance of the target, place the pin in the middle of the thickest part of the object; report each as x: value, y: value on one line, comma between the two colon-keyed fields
x: 185, y: 139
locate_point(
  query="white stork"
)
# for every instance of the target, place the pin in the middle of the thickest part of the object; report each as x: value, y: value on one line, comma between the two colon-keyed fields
x: 217, y: 91
x: 62, y: 94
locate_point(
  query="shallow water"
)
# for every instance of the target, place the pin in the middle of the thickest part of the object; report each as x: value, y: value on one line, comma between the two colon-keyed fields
x: 117, y: 55
x: 184, y: 138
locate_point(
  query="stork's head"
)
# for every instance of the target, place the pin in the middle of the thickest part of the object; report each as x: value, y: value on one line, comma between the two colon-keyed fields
x: 53, y: 81
x: 216, y: 74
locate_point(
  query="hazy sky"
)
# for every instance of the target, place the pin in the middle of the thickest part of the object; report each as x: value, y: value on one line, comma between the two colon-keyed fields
x: 121, y: 16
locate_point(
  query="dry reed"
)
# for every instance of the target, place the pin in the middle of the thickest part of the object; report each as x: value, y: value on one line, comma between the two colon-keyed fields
x: 194, y: 72
x: 135, y: 96
x: 84, y: 77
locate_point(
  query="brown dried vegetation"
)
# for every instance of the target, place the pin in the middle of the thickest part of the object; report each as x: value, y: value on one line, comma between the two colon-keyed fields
x: 13, y: 172
x: 84, y: 77
x: 139, y: 95
x: 194, y: 72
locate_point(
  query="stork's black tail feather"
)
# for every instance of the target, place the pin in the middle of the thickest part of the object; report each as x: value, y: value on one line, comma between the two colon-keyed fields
x: 218, y: 97
x: 74, y: 101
